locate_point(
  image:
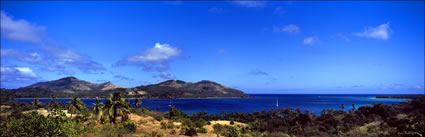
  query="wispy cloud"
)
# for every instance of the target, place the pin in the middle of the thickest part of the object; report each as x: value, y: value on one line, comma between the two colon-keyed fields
x: 166, y: 75
x: 216, y: 10
x: 251, y: 4
x: 382, y: 32
x: 279, y: 10
x: 310, y: 40
x: 57, y: 58
x: 20, y: 30
x: 21, y: 56
x: 342, y: 36
x: 258, y: 73
x: 290, y: 29
x: 124, y: 78
x: 221, y: 51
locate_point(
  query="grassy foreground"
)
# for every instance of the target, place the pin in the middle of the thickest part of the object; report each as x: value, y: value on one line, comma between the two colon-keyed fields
x: 117, y: 118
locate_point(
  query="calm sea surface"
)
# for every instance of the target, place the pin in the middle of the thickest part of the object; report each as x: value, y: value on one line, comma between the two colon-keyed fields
x: 256, y: 102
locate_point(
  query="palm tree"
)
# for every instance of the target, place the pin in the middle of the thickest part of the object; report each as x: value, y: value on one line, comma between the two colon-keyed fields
x: 52, y: 103
x: 36, y: 103
x: 97, y: 107
x: 75, y: 105
x: 116, y: 106
x: 137, y: 103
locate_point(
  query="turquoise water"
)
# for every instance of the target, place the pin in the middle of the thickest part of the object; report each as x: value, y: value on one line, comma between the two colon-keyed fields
x: 256, y: 102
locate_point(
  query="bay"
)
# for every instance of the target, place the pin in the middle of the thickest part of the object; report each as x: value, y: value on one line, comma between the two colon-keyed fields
x: 256, y: 102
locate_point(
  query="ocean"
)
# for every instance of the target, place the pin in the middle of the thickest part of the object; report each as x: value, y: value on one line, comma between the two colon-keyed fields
x: 256, y: 102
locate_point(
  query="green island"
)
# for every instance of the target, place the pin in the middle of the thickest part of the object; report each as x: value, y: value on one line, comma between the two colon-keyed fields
x: 117, y: 118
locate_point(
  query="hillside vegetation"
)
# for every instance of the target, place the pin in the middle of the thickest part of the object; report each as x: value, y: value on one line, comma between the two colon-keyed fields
x: 117, y: 118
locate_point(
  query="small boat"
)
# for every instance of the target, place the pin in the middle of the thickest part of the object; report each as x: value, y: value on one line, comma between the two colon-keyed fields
x: 277, y: 102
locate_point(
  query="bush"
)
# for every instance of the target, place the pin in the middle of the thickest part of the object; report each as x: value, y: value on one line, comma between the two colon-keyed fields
x: 233, y: 132
x: 163, y: 125
x: 202, y: 130
x: 156, y: 115
x: 191, y: 132
x: 145, y: 110
x: 129, y: 126
x: 33, y: 124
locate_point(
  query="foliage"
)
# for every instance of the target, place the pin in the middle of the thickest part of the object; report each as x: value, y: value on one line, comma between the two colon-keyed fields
x: 201, y: 130
x: 129, y: 126
x: 116, y: 105
x: 75, y: 105
x: 137, y: 103
x: 33, y: 124
x: 97, y: 107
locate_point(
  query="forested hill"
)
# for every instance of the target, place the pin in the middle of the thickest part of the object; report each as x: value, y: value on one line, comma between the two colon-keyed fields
x: 181, y: 89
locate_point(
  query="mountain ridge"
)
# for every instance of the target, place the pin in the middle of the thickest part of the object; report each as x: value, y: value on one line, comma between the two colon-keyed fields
x: 73, y: 87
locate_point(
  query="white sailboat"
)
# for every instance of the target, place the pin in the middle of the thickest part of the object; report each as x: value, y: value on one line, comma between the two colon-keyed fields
x: 277, y: 102
x: 169, y: 105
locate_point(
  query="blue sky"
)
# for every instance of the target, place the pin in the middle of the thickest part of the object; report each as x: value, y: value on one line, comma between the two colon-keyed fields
x: 258, y: 47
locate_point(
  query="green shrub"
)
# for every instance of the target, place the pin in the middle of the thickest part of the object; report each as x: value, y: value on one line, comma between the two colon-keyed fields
x: 202, y: 130
x: 233, y: 132
x: 33, y: 124
x: 129, y: 126
x: 191, y: 132
x: 182, y: 131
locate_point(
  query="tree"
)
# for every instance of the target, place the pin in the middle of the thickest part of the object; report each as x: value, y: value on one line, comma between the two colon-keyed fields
x: 97, y: 107
x: 116, y: 106
x: 75, y: 105
x: 36, y: 103
x: 137, y: 103
x: 53, y: 104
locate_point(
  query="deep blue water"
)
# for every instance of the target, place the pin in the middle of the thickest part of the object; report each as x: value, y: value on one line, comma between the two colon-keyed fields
x: 256, y: 102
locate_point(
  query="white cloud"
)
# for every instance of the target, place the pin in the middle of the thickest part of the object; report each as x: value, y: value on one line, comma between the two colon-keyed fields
x: 159, y: 53
x: 25, y: 71
x: 166, y: 75
x: 382, y: 32
x: 251, y: 4
x: 291, y: 29
x: 310, y: 40
x: 152, y: 59
x: 17, y: 74
x: 20, y: 30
